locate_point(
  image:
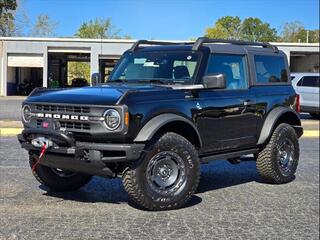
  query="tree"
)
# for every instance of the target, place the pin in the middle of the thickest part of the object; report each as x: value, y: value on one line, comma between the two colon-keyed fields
x: 44, y: 27
x: 99, y: 28
x: 296, y: 32
x: 7, y: 7
x: 226, y: 27
x: 78, y: 70
x: 250, y: 29
x: 253, y: 29
x: 290, y: 31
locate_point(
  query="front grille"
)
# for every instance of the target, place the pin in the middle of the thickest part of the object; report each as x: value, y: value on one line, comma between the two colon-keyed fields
x: 70, y: 125
x: 75, y: 125
x: 62, y: 109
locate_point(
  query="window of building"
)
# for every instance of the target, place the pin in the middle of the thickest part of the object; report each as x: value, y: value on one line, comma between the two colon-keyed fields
x: 233, y: 67
x: 270, y: 69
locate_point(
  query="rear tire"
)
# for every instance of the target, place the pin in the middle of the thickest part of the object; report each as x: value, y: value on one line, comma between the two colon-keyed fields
x: 278, y: 160
x: 166, y: 177
x: 57, y: 179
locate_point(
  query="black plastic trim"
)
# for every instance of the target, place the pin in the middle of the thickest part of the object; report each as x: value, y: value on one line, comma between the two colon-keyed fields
x: 200, y: 41
x: 271, y: 120
x: 222, y: 156
x: 136, y: 45
x: 152, y: 126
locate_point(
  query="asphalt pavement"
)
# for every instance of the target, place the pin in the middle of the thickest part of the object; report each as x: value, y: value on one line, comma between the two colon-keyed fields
x: 232, y: 202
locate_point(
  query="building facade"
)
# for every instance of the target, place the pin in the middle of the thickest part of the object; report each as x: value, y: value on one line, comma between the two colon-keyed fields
x: 26, y: 63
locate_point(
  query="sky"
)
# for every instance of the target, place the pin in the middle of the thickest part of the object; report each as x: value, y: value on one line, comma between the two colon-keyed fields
x: 175, y: 19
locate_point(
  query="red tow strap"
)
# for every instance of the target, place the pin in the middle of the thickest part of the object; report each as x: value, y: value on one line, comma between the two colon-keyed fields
x: 43, y: 150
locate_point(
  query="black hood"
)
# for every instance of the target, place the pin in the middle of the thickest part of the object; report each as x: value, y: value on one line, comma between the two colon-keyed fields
x: 97, y: 95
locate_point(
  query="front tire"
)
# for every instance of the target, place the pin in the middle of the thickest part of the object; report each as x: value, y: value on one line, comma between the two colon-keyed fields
x: 278, y: 160
x: 166, y: 177
x: 57, y: 179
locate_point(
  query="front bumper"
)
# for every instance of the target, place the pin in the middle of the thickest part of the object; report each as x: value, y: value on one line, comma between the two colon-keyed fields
x: 86, y: 157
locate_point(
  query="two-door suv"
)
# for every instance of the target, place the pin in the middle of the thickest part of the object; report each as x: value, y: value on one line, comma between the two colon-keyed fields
x: 166, y: 108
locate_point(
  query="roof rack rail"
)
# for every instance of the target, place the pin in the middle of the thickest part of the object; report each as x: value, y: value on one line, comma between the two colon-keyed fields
x: 136, y: 45
x: 202, y: 40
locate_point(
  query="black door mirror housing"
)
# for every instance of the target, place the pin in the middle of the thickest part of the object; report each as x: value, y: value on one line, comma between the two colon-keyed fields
x: 214, y: 81
x: 95, y: 79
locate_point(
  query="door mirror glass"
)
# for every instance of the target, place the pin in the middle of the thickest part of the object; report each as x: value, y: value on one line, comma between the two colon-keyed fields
x: 216, y: 81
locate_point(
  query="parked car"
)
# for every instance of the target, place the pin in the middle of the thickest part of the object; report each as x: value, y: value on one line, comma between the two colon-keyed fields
x: 79, y: 82
x: 307, y: 85
x: 166, y: 109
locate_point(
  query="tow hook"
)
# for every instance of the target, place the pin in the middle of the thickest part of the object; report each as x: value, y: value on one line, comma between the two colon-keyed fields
x: 39, y: 142
x: 42, y: 143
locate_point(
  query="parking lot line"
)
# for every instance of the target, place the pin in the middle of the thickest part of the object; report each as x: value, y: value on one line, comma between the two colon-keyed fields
x: 310, y: 134
x: 311, y: 122
x: 7, y: 132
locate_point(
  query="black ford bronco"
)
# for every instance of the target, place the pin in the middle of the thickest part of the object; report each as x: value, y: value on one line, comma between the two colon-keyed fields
x: 166, y: 108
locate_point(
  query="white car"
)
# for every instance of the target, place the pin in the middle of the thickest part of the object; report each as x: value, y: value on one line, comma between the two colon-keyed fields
x: 307, y: 86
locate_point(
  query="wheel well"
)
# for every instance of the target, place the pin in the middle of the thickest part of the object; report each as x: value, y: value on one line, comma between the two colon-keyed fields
x: 289, y: 118
x: 183, y: 129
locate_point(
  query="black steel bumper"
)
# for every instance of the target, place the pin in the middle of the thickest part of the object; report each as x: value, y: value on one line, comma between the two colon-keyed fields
x: 86, y: 157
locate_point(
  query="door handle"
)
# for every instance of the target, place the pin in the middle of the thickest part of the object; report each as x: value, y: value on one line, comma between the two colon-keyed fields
x: 249, y: 103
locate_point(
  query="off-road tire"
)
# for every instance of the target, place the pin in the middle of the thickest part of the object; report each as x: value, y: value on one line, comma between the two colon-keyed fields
x: 135, y: 176
x: 268, y: 162
x: 47, y: 177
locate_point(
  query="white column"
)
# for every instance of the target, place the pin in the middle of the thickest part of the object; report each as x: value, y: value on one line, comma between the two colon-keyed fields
x: 3, y: 73
x: 1, y: 69
x: 45, y: 68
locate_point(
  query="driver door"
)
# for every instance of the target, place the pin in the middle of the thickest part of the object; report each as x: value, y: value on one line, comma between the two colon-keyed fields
x: 228, y: 119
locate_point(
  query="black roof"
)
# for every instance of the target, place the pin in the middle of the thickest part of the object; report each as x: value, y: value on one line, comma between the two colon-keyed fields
x: 213, y: 44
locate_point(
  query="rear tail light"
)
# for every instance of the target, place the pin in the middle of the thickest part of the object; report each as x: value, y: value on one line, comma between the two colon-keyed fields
x: 298, y: 103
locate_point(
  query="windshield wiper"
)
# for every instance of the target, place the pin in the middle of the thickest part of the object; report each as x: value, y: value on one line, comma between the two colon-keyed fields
x: 118, y: 80
x: 154, y: 81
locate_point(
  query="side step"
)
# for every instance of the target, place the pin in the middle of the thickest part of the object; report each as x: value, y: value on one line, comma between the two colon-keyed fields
x: 221, y: 156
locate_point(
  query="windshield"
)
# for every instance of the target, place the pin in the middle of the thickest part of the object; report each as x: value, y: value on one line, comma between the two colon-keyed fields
x: 158, y: 67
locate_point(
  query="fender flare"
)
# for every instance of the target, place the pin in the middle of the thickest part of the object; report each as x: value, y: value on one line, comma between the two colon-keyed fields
x: 153, y: 125
x: 271, y: 120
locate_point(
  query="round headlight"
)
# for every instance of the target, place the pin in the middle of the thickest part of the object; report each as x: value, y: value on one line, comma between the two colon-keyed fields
x: 112, y: 119
x: 26, y: 113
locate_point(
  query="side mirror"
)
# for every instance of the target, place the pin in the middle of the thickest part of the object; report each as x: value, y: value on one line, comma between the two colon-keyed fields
x: 214, y: 81
x: 95, y: 79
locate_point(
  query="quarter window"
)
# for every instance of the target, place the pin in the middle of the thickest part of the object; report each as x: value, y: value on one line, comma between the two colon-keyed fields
x: 233, y: 67
x: 270, y: 69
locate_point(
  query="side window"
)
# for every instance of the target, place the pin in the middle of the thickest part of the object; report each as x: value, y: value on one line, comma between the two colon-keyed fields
x: 232, y: 66
x: 309, y: 81
x: 270, y: 69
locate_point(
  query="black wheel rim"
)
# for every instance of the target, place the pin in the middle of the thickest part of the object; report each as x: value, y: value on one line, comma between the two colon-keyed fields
x: 166, y: 172
x: 286, y: 156
x: 62, y: 173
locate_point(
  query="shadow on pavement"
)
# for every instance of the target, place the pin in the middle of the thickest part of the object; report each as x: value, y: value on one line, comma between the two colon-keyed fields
x: 222, y: 174
x: 216, y: 175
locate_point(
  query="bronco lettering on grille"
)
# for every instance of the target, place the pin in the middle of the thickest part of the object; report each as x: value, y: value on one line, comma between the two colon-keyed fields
x: 62, y: 116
